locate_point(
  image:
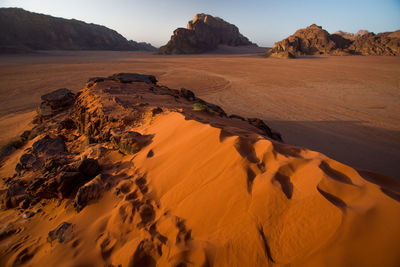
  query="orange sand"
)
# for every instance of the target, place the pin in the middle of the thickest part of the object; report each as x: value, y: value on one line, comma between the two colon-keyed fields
x: 223, y: 196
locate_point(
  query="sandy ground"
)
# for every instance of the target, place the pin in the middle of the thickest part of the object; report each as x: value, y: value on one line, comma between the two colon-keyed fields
x: 192, y: 189
x: 345, y: 107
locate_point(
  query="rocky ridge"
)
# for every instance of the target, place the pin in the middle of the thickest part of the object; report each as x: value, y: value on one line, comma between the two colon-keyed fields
x: 203, y: 34
x: 314, y: 40
x: 27, y: 31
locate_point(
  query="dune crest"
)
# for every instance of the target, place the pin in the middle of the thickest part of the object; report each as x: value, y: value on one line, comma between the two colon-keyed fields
x: 138, y: 174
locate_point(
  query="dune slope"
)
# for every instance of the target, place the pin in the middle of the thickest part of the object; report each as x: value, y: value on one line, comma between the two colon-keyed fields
x: 141, y: 175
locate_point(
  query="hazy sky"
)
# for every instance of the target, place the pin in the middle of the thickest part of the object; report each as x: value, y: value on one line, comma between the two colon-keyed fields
x: 263, y: 22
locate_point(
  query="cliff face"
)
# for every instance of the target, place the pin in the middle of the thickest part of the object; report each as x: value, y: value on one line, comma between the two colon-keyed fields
x: 204, y: 33
x: 23, y: 31
x: 314, y: 40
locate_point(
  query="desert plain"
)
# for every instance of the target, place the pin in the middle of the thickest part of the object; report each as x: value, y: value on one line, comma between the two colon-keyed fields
x: 346, y: 107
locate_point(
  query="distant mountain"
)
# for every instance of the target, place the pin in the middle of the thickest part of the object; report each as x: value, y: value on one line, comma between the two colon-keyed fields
x: 351, y: 36
x: 22, y: 30
x: 314, y: 40
x: 203, y: 34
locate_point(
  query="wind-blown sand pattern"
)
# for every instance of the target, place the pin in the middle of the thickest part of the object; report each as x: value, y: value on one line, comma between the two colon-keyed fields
x: 192, y: 188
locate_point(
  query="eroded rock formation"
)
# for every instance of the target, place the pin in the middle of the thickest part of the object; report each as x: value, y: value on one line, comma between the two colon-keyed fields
x: 203, y: 34
x: 314, y: 40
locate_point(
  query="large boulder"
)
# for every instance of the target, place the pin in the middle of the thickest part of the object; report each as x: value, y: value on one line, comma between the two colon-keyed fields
x: 55, y: 101
x: 204, y: 33
x: 49, y: 145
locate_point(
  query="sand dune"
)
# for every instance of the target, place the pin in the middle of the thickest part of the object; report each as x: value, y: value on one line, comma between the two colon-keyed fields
x: 203, y: 190
x: 345, y: 107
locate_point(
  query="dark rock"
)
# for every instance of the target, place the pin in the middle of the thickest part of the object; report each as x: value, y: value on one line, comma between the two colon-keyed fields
x: 156, y: 111
x: 204, y: 33
x: 63, y: 233
x: 91, y: 191
x: 260, y: 124
x: 25, y: 135
x: 213, y: 108
x: 133, y: 77
x: 51, y: 165
x: 89, y: 167
x: 233, y: 116
x: 189, y: 95
x: 50, y: 146
x: 55, y: 101
x: 69, y: 182
x: 68, y: 124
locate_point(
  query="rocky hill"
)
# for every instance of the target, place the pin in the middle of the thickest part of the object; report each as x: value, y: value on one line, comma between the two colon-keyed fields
x: 314, y: 40
x: 204, y: 33
x: 24, y: 31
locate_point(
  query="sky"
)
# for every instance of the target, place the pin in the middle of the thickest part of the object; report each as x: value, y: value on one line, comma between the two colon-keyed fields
x: 263, y: 22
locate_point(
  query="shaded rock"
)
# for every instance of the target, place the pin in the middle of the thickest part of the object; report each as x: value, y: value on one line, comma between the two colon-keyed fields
x: 89, y: 192
x: 55, y: 102
x: 69, y: 182
x: 133, y: 77
x: 204, y: 33
x: 68, y: 124
x: 89, y: 167
x: 50, y: 146
x: 156, y: 111
x: 63, y: 233
x: 189, y: 95
x: 260, y: 124
x: 59, y: 98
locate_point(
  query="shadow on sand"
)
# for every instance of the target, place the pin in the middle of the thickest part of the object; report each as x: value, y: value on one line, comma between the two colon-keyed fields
x: 350, y: 142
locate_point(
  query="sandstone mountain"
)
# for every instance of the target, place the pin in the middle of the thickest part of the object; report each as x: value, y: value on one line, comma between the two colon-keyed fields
x: 204, y: 33
x: 24, y: 31
x: 314, y: 40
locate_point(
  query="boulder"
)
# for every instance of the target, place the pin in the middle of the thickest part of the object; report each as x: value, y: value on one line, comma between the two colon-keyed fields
x: 89, y: 192
x: 89, y: 167
x: 55, y: 102
x: 204, y: 33
x: 49, y: 145
x: 63, y: 233
x: 69, y: 182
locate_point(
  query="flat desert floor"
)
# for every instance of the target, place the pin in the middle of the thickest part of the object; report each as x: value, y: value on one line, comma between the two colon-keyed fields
x: 345, y: 107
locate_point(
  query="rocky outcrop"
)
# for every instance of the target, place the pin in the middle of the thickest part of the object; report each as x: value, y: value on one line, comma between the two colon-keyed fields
x: 376, y: 45
x: 54, y: 102
x: 23, y: 31
x: 203, y: 34
x: 314, y: 40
